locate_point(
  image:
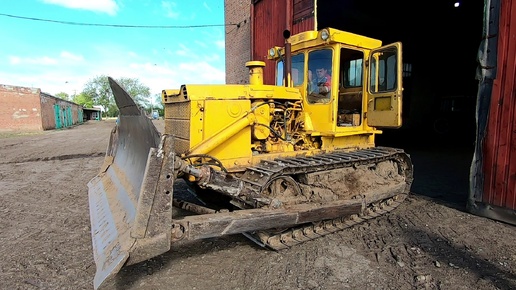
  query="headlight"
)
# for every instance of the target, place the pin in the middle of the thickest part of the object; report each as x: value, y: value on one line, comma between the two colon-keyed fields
x: 272, y: 52
x: 325, y: 34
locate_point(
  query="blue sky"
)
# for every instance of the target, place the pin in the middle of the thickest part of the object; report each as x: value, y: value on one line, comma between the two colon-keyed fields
x: 62, y: 58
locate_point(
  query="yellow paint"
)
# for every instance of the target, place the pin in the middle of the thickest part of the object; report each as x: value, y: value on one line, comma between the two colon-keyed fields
x: 242, y: 125
x: 255, y: 72
x: 260, y: 129
x: 223, y: 135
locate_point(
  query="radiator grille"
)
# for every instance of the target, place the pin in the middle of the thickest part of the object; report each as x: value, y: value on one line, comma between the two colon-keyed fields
x: 177, y: 124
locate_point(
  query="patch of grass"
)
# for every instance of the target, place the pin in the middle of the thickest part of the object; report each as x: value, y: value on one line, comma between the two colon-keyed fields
x: 4, y: 135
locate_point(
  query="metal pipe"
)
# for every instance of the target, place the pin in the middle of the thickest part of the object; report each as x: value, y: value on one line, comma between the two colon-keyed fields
x: 255, y: 72
x: 287, y: 64
x: 192, y: 207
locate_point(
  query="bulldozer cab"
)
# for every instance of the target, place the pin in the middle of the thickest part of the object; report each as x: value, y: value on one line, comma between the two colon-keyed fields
x: 349, y: 82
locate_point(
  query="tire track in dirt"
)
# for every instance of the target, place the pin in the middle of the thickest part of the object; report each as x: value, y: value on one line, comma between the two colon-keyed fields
x: 54, y: 158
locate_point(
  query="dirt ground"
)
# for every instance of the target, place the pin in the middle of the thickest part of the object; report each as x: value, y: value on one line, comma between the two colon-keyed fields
x: 45, y: 241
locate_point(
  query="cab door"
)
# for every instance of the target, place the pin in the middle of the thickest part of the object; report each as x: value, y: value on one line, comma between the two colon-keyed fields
x: 384, y: 87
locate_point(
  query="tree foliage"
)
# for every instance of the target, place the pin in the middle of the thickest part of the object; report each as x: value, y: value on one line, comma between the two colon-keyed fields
x: 83, y: 100
x: 99, y: 91
x: 63, y: 96
x: 155, y: 104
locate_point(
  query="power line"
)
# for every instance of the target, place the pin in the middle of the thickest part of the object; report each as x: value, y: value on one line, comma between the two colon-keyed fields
x: 119, y: 25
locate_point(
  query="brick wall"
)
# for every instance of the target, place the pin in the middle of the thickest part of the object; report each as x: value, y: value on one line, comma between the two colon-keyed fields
x: 238, y: 40
x: 20, y: 109
x: 48, y: 103
x: 48, y: 119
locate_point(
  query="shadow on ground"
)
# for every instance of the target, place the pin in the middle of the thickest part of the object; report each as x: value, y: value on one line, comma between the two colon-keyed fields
x: 441, y: 164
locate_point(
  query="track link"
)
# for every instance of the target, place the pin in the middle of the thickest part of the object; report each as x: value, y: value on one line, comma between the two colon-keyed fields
x: 297, y: 235
x: 256, y: 178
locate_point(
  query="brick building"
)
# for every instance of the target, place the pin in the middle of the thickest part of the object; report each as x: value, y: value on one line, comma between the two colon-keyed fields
x: 238, y: 40
x: 29, y: 109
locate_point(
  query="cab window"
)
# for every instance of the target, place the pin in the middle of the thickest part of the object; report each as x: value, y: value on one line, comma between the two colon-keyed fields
x: 383, y: 71
x: 350, y: 97
x: 352, y: 72
x: 279, y: 73
x: 298, y: 65
x: 319, y: 76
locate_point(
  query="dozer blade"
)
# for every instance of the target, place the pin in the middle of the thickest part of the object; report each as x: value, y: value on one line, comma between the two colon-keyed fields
x: 123, y: 194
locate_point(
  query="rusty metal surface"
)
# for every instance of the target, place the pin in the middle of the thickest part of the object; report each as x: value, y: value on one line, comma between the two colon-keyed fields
x: 270, y: 20
x: 304, y: 25
x: 268, y: 25
x: 492, y: 178
x: 220, y: 224
x: 114, y: 192
x: 500, y: 142
x: 153, y: 219
x: 302, y: 9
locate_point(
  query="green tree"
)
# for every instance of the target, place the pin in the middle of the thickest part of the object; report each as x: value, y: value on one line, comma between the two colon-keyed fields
x: 99, y: 91
x: 155, y: 104
x: 63, y: 96
x: 139, y: 92
x: 83, y: 99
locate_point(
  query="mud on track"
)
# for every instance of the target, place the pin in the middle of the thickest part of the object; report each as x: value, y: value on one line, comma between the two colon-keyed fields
x: 45, y: 240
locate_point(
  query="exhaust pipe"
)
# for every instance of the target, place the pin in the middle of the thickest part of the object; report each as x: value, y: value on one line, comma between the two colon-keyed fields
x: 255, y: 72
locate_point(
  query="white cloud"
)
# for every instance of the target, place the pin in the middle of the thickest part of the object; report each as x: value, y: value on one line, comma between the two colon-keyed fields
x: 200, y: 43
x: 14, y: 60
x: 44, y: 60
x: 69, y: 71
x: 105, y: 6
x: 220, y: 44
x: 51, y: 82
x: 170, y: 9
x: 70, y: 56
x: 184, y: 51
x: 201, y: 72
x: 211, y: 57
x: 206, y: 6
x: 166, y: 76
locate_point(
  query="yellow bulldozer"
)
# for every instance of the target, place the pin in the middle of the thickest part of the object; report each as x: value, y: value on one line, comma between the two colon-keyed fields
x: 281, y: 164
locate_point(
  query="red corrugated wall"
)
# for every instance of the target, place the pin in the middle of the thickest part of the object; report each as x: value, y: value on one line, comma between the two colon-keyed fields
x: 303, y: 16
x: 269, y: 19
x: 305, y: 25
x: 500, y: 142
x: 268, y: 25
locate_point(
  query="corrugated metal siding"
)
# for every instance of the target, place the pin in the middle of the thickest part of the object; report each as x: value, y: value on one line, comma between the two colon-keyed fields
x: 268, y: 26
x: 305, y: 25
x: 303, y: 16
x: 270, y: 20
x: 500, y: 142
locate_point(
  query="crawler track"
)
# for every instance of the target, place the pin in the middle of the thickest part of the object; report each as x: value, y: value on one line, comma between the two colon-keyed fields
x: 295, y: 236
x: 258, y: 178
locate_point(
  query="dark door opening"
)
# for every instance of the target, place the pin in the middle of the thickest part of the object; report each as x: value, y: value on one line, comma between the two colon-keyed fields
x: 440, y: 43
